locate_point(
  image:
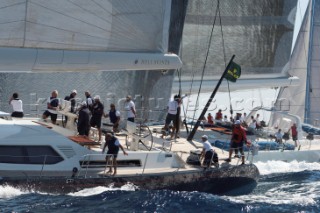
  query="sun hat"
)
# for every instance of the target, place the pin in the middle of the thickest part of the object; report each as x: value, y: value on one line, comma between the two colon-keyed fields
x: 204, y: 136
x: 237, y: 122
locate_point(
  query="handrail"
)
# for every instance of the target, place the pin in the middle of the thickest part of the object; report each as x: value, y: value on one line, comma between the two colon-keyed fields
x: 145, y: 163
x: 44, y: 162
x: 85, y: 164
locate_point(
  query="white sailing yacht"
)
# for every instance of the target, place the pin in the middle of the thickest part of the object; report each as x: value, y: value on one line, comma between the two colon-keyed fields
x: 263, y: 49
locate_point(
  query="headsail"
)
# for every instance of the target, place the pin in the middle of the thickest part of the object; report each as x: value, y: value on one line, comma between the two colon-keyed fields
x: 304, y: 100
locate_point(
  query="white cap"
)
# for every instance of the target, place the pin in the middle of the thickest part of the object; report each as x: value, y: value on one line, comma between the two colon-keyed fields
x: 97, y: 97
x: 237, y: 122
x: 204, y: 136
x: 74, y: 91
x: 84, y: 103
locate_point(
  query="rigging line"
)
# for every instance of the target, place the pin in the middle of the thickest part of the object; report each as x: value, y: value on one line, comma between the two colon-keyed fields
x: 194, y: 56
x: 208, y: 50
x: 225, y: 60
x: 179, y: 73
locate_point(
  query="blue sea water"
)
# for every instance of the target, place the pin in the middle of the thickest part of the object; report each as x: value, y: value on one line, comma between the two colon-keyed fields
x: 283, y: 187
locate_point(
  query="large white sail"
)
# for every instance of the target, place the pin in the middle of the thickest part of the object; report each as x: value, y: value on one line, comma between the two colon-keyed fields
x: 130, y: 38
x: 85, y: 35
x: 100, y: 25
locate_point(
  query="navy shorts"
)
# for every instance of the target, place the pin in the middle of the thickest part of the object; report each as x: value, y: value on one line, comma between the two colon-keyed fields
x: 237, y: 145
x: 52, y: 116
x: 169, y: 118
x: 115, y: 155
x: 95, y: 121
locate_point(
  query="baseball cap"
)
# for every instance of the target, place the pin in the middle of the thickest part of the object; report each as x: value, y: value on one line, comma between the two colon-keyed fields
x: 97, y: 97
x: 84, y: 103
x: 74, y: 91
x: 204, y: 136
x: 237, y: 122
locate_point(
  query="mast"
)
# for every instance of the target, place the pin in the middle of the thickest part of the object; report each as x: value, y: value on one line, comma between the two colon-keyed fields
x: 190, y: 137
x: 307, y: 113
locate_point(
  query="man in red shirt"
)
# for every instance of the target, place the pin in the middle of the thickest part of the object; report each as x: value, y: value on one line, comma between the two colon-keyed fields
x: 294, y: 134
x: 237, y: 141
x: 210, y: 119
x: 219, y: 115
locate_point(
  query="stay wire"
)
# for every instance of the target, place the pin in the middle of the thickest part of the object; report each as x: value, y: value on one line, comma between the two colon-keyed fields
x: 225, y: 61
x: 194, y: 57
x: 206, y: 58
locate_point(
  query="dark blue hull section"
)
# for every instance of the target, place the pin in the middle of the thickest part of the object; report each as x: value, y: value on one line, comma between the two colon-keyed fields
x: 231, y: 180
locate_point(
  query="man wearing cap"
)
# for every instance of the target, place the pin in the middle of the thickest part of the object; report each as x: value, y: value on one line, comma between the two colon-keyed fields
x: 237, y: 141
x: 208, y: 154
x: 83, y: 124
x: 97, y: 112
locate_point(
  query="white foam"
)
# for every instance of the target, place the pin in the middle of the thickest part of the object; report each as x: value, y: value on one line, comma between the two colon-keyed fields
x: 7, y: 192
x: 100, y: 189
x: 269, y: 167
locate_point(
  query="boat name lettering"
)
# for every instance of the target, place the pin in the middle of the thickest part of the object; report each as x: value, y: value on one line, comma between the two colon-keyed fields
x: 156, y: 62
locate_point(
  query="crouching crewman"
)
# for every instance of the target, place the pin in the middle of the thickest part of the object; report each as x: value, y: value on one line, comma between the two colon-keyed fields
x: 208, y: 154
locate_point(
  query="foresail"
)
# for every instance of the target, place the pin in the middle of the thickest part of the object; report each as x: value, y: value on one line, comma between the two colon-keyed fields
x: 304, y: 100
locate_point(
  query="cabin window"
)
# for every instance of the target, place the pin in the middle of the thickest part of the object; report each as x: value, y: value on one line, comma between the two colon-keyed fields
x: 29, y: 155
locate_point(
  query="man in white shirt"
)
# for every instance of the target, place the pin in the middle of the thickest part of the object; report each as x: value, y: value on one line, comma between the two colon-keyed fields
x: 130, y: 107
x: 172, y: 114
x: 16, y: 104
x: 208, y: 154
x: 278, y: 136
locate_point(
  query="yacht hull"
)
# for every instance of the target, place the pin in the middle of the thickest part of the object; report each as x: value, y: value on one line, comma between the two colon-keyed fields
x: 228, y: 180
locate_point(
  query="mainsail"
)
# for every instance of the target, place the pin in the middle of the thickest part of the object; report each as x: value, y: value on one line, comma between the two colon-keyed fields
x: 131, y: 37
x: 85, y: 35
